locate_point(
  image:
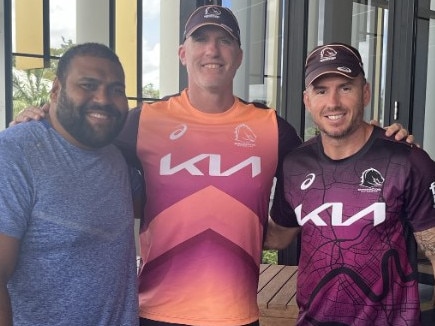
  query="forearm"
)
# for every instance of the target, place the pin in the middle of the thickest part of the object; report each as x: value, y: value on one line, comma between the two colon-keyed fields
x: 426, y: 242
x: 8, y: 258
x: 5, y: 307
x: 279, y: 237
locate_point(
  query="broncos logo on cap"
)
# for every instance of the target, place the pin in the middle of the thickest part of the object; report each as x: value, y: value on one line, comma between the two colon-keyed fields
x: 214, y: 11
x: 328, y: 54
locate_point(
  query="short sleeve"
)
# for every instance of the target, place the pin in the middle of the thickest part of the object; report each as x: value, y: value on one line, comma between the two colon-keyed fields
x: 16, y: 190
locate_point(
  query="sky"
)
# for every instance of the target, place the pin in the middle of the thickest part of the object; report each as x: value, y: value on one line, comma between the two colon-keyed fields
x: 63, y: 22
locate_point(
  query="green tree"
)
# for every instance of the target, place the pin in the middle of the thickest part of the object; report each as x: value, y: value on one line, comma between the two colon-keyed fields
x: 269, y: 257
x: 149, y: 92
x: 32, y: 87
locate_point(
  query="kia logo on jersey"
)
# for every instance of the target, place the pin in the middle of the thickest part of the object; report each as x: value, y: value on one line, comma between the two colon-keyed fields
x: 214, y: 166
x: 376, y: 210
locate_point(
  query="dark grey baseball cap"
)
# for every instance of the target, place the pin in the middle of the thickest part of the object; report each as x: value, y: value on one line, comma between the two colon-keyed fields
x: 334, y: 58
x: 213, y: 15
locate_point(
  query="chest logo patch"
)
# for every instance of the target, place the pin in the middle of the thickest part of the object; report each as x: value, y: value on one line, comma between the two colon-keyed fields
x: 178, y: 132
x: 372, y: 179
x: 244, y: 136
x: 308, y: 181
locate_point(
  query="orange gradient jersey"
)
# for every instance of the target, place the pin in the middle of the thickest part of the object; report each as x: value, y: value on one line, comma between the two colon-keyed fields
x: 208, y: 180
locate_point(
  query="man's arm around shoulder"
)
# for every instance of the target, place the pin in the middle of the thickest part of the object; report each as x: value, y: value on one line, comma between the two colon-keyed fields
x: 426, y: 242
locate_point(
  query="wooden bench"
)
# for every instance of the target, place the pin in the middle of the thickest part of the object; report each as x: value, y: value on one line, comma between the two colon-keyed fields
x: 276, y: 295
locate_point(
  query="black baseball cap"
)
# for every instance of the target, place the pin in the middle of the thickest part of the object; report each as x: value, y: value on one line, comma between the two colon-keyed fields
x: 334, y: 58
x: 213, y: 15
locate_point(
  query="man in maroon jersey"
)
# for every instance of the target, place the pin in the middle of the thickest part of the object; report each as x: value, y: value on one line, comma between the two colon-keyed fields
x: 359, y: 199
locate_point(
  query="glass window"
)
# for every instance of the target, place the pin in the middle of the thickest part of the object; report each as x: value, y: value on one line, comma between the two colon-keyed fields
x: 62, y: 23
x: 35, y: 62
x: 72, y: 21
x: 151, y: 48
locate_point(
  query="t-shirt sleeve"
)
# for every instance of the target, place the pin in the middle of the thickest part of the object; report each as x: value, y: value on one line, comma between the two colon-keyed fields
x: 127, y: 139
x: 420, y: 190
x: 281, y: 212
x: 16, y: 190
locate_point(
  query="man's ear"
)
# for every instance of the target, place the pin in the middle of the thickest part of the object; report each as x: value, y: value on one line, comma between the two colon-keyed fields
x: 240, y: 58
x: 306, y: 99
x: 182, y: 54
x: 366, y: 94
x: 55, y: 90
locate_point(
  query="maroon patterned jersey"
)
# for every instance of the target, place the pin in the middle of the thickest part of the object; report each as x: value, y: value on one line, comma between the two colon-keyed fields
x: 357, y: 216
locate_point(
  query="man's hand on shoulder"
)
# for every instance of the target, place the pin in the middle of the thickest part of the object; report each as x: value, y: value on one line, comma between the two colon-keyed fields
x: 399, y: 132
x: 30, y: 113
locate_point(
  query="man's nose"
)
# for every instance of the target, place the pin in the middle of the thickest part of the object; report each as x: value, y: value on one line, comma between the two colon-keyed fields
x: 102, y: 96
x: 333, y: 99
x: 212, y: 46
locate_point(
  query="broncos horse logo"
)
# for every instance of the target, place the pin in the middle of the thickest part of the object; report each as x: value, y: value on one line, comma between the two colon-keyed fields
x: 372, y: 178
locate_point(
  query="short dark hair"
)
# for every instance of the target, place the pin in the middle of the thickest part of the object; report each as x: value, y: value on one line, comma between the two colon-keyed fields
x: 84, y: 49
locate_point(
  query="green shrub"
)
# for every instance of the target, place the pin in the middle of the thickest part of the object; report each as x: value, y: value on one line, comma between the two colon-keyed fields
x: 269, y: 257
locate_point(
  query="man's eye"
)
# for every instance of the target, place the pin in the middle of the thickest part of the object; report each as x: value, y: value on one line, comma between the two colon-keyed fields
x: 200, y: 39
x: 119, y: 91
x: 226, y: 41
x: 89, y: 86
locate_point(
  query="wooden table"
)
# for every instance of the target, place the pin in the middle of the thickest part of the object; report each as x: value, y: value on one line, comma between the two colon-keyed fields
x: 276, y: 295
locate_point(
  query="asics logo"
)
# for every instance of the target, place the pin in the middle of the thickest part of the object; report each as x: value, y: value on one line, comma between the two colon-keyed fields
x: 308, y: 181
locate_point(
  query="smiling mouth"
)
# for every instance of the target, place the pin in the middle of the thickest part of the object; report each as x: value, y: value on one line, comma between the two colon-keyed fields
x: 99, y: 116
x: 212, y: 66
x: 335, y: 116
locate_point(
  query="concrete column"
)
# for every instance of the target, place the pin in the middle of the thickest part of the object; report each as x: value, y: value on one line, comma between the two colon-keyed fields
x: 169, y: 42
x: 93, y: 21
